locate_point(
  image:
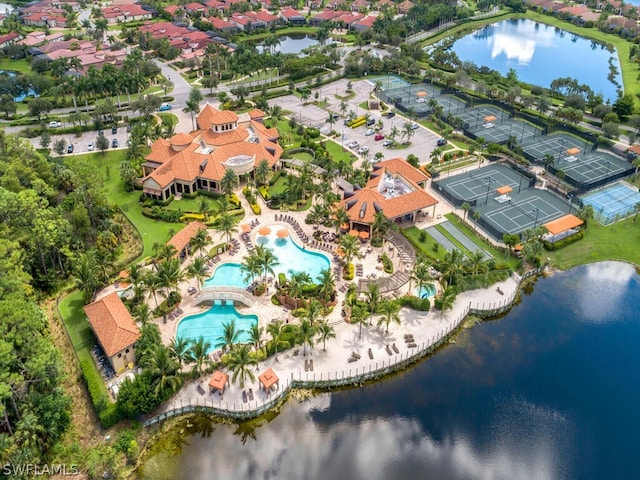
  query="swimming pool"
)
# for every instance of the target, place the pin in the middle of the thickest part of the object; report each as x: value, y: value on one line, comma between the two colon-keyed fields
x: 613, y: 203
x: 209, y: 324
x: 288, y: 253
x: 427, y: 291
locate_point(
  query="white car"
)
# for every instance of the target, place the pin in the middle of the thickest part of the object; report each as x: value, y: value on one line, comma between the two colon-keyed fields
x: 414, y: 126
x: 55, y: 124
x: 363, y: 150
x: 369, y: 132
x: 90, y: 147
x: 387, y: 143
x: 353, y: 144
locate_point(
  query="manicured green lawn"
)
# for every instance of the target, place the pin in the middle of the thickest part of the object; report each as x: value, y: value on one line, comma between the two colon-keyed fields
x: 600, y: 243
x: 74, y: 319
x: 338, y: 154
x: 17, y: 65
x: 279, y: 187
x: 150, y: 230
x: 304, y: 156
x: 428, y: 247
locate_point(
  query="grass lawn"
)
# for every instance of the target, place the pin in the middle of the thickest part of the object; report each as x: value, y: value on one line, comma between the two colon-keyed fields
x: 304, y: 156
x: 20, y: 65
x: 428, y: 247
x: 338, y: 154
x: 600, y: 243
x: 150, y: 230
x: 279, y: 187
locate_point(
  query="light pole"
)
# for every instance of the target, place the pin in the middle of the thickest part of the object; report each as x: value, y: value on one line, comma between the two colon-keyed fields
x: 489, y: 180
x: 570, y: 198
x: 535, y: 222
x: 560, y: 152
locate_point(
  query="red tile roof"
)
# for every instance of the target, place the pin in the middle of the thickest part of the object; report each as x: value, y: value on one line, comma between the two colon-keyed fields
x: 184, y: 236
x: 112, y: 324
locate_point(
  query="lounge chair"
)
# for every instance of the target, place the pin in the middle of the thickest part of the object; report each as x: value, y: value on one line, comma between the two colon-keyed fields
x: 395, y: 349
x: 388, y: 349
x: 352, y: 359
x: 244, y: 396
x: 306, y: 365
x: 250, y: 394
x: 356, y: 356
x: 370, y: 354
x: 311, y: 365
x: 412, y: 345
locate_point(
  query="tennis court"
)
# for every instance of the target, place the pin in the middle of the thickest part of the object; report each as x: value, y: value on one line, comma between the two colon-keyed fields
x: 451, y: 104
x: 529, y: 209
x: 482, y: 115
x: 476, y: 186
x: 501, y: 132
x: 390, y: 82
x: 555, y: 145
x: 613, y: 203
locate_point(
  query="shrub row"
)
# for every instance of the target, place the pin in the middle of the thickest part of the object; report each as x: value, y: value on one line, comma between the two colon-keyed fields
x: 349, y: 272
x: 157, y: 213
x: 108, y: 412
x: 564, y: 242
x: 415, y: 303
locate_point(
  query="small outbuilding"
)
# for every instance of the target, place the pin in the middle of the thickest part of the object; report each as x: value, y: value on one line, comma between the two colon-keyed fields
x: 268, y: 379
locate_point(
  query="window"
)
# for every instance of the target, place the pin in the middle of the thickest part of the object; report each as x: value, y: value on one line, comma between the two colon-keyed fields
x: 126, y: 351
x: 119, y: 355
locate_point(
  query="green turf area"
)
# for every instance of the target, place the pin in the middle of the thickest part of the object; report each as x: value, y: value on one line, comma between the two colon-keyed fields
x: 16, y: 65
x: 304, y: 156
x: 339, y: 155
x: 150, y: 230
x: 427, y: 248
x: 279, y: 187
x: 600, y: 243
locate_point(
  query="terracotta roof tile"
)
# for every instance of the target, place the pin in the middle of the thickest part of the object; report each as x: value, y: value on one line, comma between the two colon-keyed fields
x: 181, y: 139
x: 112, y: 324
x: 184, y: 236
x: 563, y: 224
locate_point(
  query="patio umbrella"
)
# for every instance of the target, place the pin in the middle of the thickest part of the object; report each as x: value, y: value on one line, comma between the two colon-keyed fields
x: 344, y: 226
x: 246, y: 228
x: 363, y: 234
x: 264, y: 231
x: 353, y: 233
x: 282, y: 234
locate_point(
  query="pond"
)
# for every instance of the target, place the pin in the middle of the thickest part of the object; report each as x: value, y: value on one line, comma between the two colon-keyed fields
x: 292, y: 43
x: 6, y: 84
x: 540, y: 53
x: 549, y: 391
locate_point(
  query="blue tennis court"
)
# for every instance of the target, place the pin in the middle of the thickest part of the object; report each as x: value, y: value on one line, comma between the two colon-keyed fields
x: 390, y: 82
x: 613, y: 203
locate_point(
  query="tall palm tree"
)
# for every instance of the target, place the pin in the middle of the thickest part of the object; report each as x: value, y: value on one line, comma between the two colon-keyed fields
x: 373, y: 299
x: 297, y: 280
x: 380, y: 226
x: 164, y: 371
x: 267, y: 260
x: 276, y: 330
x: 325, y: 332
x: 179, y: 349
x: 230, y: 335
x: 250, y: 267
x: 359, y: 316
x: 452, y: 266
x: 262, y: 172
x: 340, y: 217
x: 239, y: 363
x: 327, y: 282
x: 421, y: 274
x: 199, y: 352
x: 447, y: 299
x: 169, y: 274
x: 349, y: 246
x: 143, y: 313
x: 85, y: 271
x: 153, y: 285
x: 390, y: 310
x: 306, y: 333
x: 313, y: 311
x: 229, y: 181
x: 474, y: 262
x: 200, y: 240
x: 407, y: 131
x: 255, y: 336
x: 227, y: 225
x: 198, y: 270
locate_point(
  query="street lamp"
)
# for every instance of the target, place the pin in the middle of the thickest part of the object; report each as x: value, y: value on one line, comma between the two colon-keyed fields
x: 489, y: 179
x: 535, y: 222
x: 560, y: 152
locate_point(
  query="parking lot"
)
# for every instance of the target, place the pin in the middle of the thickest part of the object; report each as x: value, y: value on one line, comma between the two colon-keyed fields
x: 81, y: 143
x: 422, y: 142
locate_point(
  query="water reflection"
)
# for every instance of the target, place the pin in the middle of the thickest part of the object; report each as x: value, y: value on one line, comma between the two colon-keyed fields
x: 601, y: 290
x: 518, y: 42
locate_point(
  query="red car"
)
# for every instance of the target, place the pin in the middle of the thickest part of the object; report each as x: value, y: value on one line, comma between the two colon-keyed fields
x: 379, y: 136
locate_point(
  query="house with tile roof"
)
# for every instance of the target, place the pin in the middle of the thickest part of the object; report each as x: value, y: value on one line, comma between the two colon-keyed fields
x: 182, y: 240
x: 395, y: 188
x: 405, y: 6
x: 115, y: 330
x: 364, y: 23
x: 196, y: 161
x: 125, y: 13
x: 292, y: 16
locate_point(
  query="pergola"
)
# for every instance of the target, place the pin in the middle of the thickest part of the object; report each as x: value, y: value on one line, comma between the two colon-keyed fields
x: 218, y: 382
x: 268, y: 379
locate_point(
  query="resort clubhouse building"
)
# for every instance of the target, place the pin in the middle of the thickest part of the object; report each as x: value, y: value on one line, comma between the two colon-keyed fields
x: 190, y: 162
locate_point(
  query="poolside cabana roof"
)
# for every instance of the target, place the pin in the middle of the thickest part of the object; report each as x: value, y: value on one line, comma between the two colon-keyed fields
x: 573, y: 151
x: 563, y: 224
x: 268, y: 379
x: 504, y: 190
x: 182, y: 239
x: 364, y: 234
x: 490, y: 118
x: 353, y: 233
x: 218, y: 381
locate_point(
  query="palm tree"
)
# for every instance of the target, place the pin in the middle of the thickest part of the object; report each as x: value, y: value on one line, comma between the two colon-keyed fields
x: 390, y: 310
x: 229, y: 181
x: 193, y: 104
x: 164, y: 371
x: 143, y: 313
x: 306, y: 333
x: 85, y: 272
x: 327, y: 282
x: 349, y: 246
x: 373, y: 299
x: 447, y: 299
x: 239, y: 363
x: 152, y: 284
x: 421, y: 274
x: 340, y: 217
x: 251, y: 267
x: 200, y: 240
x: 198, y: 270
x: 262, y: 172
x: 380, y: 226
x: 359, y: 316
x: 230, y: 335
x: 227, y: 225
x: 407, y: 131
x: 255, y: 336
x: 466, y: 206
x: 393, y: 133
x: 179, y: 349
x: 297, y: 280
x: 199, y: 352
x: 475, y: 261
x: 169, y: 274
x: 276, y: 330
x: 451, y: 267
x: 267, y: 260
x: 313, y: 311
x: 325, y: 332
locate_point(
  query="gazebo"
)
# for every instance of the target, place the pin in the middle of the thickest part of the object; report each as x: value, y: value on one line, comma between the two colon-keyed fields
x: 502, y: 193
x: 268, y: 379
x: 218, y: 382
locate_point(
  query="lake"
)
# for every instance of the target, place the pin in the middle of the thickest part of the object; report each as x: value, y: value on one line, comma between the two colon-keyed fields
x: 550, y: 391
x: 293, y: 43
x: 540, y: 53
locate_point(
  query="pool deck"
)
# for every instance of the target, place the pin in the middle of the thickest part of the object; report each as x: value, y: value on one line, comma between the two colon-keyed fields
x: 426, y: 328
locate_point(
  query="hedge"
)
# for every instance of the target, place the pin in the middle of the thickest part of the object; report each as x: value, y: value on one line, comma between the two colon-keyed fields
x: 349, y: 272
x: 256, y: 208
x: 415, y: 303
x: 564, y: 242
x: 108, y: 412
x: 264, y: 191
x: 192, y: 216
x: 234, y: 200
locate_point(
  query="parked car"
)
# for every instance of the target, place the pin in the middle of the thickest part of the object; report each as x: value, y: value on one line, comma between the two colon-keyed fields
x: 90, y: 147
x: 114, y: 130
x: 363, y: 150
x: 378, y: 137
x: 369, y: 132
x: 128, y: 128
x: 114, y: 143
x: 165, y: 107
x: 70, y: 149
x: 414, y: 126
x: 389, y: 114
x: 370, y: 121
x: 379, y: 127
x: 55, y: 124
x: 387, y: 143
x: 353, y: 144
x: 441, y: 142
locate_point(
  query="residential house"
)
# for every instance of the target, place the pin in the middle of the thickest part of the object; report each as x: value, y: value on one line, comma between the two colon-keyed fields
x: 8, y: 39
x: 221, y: 25
x: 360, y: 6
x: 405, y: 6
x: 125, y: 13
x: 293, y: 17
x: 365, y: 23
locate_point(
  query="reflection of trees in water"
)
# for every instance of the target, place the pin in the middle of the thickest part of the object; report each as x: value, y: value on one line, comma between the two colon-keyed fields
x: 174, y: 439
